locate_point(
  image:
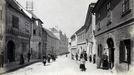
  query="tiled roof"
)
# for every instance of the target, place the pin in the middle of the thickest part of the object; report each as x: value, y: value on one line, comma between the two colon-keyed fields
x: 15, y: 5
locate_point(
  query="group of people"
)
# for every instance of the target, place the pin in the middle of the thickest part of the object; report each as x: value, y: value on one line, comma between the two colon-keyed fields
x: 48, y: 58
x: 22, y: 61
x: 83, y: 58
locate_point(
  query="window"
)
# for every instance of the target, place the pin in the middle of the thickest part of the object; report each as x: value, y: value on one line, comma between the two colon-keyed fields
x: 34, y: 32
x: 109, y: 17
x: 24, y: 47
x: 125, y: 48
x: 109, y: 14
x: 27, y: 27
x: 15, y: 21
x: 0, y: 12
x: 98, y: 27
x: 125, y: 7
x: 108, y: 6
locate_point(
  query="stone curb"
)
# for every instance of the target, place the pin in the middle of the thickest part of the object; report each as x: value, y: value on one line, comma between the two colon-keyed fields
x: 18, y: 67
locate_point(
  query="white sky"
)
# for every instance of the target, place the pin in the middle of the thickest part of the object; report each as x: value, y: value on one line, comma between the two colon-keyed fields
x: 67, y: 15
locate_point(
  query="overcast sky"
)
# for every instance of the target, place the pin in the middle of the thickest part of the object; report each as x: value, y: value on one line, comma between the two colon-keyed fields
x: 67, y: 15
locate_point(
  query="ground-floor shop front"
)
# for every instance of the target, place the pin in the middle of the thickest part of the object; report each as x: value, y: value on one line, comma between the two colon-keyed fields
x: 117, y: 47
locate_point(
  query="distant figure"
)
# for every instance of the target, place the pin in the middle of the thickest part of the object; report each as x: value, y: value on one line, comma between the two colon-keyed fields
x: 1, y: 59
x: 76, y: 56
x: 21, y: 59
x: 90, y: 58
x: 105, y: 61
x: 44, y: 60
x: 72, y: 56
x: 85, y: 55
x: 28, y: 56
x: 53, y: 57
x: 66, y: 55
x: 94, y: 59
x: 82, y: 64
x: 48, y: 58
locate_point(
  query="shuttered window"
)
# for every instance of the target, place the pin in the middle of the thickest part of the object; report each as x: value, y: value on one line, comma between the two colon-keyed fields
x: 125, y: 51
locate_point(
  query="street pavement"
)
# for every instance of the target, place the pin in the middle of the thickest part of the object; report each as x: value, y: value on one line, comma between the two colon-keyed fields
x: 62, y: 66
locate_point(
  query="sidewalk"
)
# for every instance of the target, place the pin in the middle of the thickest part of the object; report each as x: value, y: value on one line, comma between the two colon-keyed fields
x: 15, y: 65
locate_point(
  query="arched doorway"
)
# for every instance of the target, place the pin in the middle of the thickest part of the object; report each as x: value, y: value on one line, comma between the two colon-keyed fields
x: 11, y: 51
x: 110, y: 44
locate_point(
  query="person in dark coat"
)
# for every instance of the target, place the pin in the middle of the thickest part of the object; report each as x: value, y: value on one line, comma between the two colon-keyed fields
x: 28, y: 56
x: 82, y: 64
x: 105, y: 61
x: 21, y: 59
x: 94, y: 59
x: 90, y: 58
x: 53, y: 57
x: 72, y: 56
x: 85, y: 55
x: 76, y: 56
x: 48, y: 58
x: 1, y: 59
x: 44, y: 60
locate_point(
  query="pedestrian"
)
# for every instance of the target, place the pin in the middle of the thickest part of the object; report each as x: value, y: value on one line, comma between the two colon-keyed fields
x: 44, y: 60
x: 66, y: 55
x: 94, y: 59
x: 85, y: 55
x: 1, y: 59
x: 76, y: 56
x: 90, y: 58
x: 21, y: 59
x: 28, y: 56
x: 105, y: 61
x: 72, y: 56
x: 53, y: 57
x: 48, y: 58
x: 82, y: 64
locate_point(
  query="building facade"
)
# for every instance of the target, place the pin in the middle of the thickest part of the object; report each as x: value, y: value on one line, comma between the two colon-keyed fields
x: 36, y: 37
x: 74, y: 49
x: 16, y: 31
x: 52, y: 43
x: 114, y: 32
x: 81, y: 39
x: 63, y: 41
x: 90, y: 39
x: 44, y: 42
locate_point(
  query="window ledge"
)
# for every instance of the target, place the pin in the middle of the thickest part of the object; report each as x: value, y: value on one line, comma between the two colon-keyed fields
x: 126, y: 12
